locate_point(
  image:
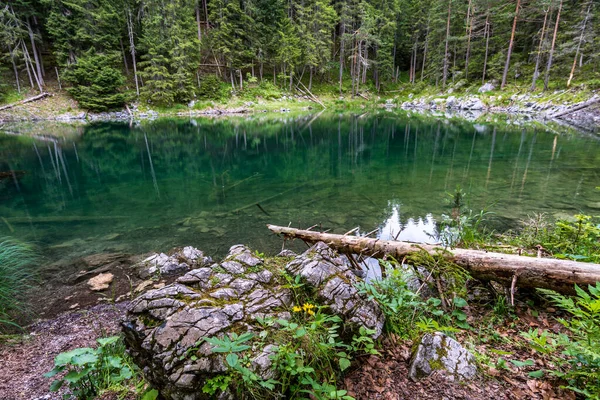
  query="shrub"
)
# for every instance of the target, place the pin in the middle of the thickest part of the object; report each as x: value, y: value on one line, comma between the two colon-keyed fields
x: 16, y: 260
x: 579, y: 363
x: 90, y: 372
x: 213, y: 88
x: 96, y: 82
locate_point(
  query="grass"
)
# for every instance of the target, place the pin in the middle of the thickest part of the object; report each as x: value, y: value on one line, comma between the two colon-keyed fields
x: 16, y: 275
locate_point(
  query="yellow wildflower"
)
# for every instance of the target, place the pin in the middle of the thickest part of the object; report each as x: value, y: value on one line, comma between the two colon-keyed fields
x: 308, y: 308
x: 297, y: 309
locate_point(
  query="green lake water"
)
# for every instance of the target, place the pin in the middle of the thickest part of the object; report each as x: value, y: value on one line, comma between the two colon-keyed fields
x: 110, y: 187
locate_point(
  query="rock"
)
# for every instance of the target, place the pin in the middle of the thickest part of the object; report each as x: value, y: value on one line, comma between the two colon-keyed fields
x: 179, y: 262
x: 286, y: 253
x: 100, y: 282
x: 331, y: 276
x: 487, y: 87
x: 143, y: 285
x: 451, y: 102
x: 164, y: 327
x: 439, y: 352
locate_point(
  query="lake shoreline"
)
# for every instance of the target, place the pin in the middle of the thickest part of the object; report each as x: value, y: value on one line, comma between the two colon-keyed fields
x: 520, y: 109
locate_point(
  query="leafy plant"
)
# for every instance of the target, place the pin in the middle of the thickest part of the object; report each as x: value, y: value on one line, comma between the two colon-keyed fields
x: 579, y: 362
x: 16, y: 275
x: 92, y: 371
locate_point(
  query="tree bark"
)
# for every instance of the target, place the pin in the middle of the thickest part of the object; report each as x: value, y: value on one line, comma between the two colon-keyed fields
x: 29, y: 100
x: 558, y: 275
x: 469, y: 33
x: 536, y: 71
x: 487, y: 45
x: 587, y: 16
x: 579, y: 106
x: 510, y: 45
x: 12, y: 60
x: 38, y: 64
x: 549, y: 65
x: 445, y: 72
x: 132, y: 49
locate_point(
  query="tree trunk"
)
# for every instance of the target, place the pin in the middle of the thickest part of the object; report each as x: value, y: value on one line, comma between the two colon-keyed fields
x: 558, y: 275
x: 579, y: 106
x: 132, y: 50
x: 36, y: 57
x: 536, y: 71
x: 342, y: 55
x: 469, y: 34
x: 510, y: 45
x: 551, y: 55
x: 12, y: 60
x: 587, y: 16
x: 445, y: 73
x: 425, y: 50
x: 29, y: 100
x: 487, y: 45
x: 124, y: 57
x: 310, y: 78
x: 198, y: 22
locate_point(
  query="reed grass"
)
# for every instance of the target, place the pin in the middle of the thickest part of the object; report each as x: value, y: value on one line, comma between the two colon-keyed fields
x: 16, y: 276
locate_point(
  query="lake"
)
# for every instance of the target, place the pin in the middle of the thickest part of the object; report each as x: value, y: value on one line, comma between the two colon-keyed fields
x: 212, y: 183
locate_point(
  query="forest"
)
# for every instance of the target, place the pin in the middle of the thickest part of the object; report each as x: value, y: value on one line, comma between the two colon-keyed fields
x: 107, y: 53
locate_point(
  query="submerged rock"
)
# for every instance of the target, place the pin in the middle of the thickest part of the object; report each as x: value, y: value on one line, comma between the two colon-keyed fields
x: 440, y: 352
x: 100, y: 281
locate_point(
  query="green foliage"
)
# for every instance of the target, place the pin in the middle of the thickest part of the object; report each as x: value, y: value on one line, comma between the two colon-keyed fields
x: 462, y: 228
x: 97, y: 84
x: 16, y: 261
x: 306, y: 360
x: 91, y: 372
x: 407, y: 313
x: 576, y: 239
x: 213, y: 88
x: 579, y: 361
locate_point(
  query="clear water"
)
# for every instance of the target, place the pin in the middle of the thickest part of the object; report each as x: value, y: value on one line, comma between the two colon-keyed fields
x: 114, y: 187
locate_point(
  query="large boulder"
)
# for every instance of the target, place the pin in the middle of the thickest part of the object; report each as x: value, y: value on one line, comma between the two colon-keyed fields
x: 333, y: 279
x: 165, y: 328
x: 437, y: 351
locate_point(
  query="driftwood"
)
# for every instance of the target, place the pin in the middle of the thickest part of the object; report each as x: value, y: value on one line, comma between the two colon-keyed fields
x: 29, y: 100
x: 509, y: 269
x: 578, y: 107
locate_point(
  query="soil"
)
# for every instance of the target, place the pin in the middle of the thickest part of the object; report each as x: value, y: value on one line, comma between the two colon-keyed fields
x: 27, y: 358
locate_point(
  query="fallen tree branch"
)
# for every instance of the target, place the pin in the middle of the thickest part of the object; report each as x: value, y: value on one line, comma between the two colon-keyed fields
x: 558, y: 275
x: 29, y: 100
x: 577, y: 107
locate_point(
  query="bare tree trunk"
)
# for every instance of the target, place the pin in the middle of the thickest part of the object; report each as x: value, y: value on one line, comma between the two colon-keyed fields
x: 558, y: 275
x: 12, y: 60
x: 536, y: 71
x: 487, y: 45
x: 510, y: 45
x: 470, y: 13
x: 28, y: 73
x: 425, y: 50
x: 342, y: 43
x: 445, y: 72
x: 132, y: 50
x: 551, y: 55
x: 310, y: 78
x: 198, y: 23
x: 124, y: 56
x: 36, y: 57
x: 587, y: 16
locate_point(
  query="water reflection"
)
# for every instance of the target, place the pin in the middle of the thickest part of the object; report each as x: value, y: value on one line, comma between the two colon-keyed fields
x: 418, y: 231
x: 213, y: 183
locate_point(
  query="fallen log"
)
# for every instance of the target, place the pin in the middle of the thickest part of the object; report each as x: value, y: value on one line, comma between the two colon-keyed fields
x: 549, y: 273
x: 577, y: 107
x: 29, y: 100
